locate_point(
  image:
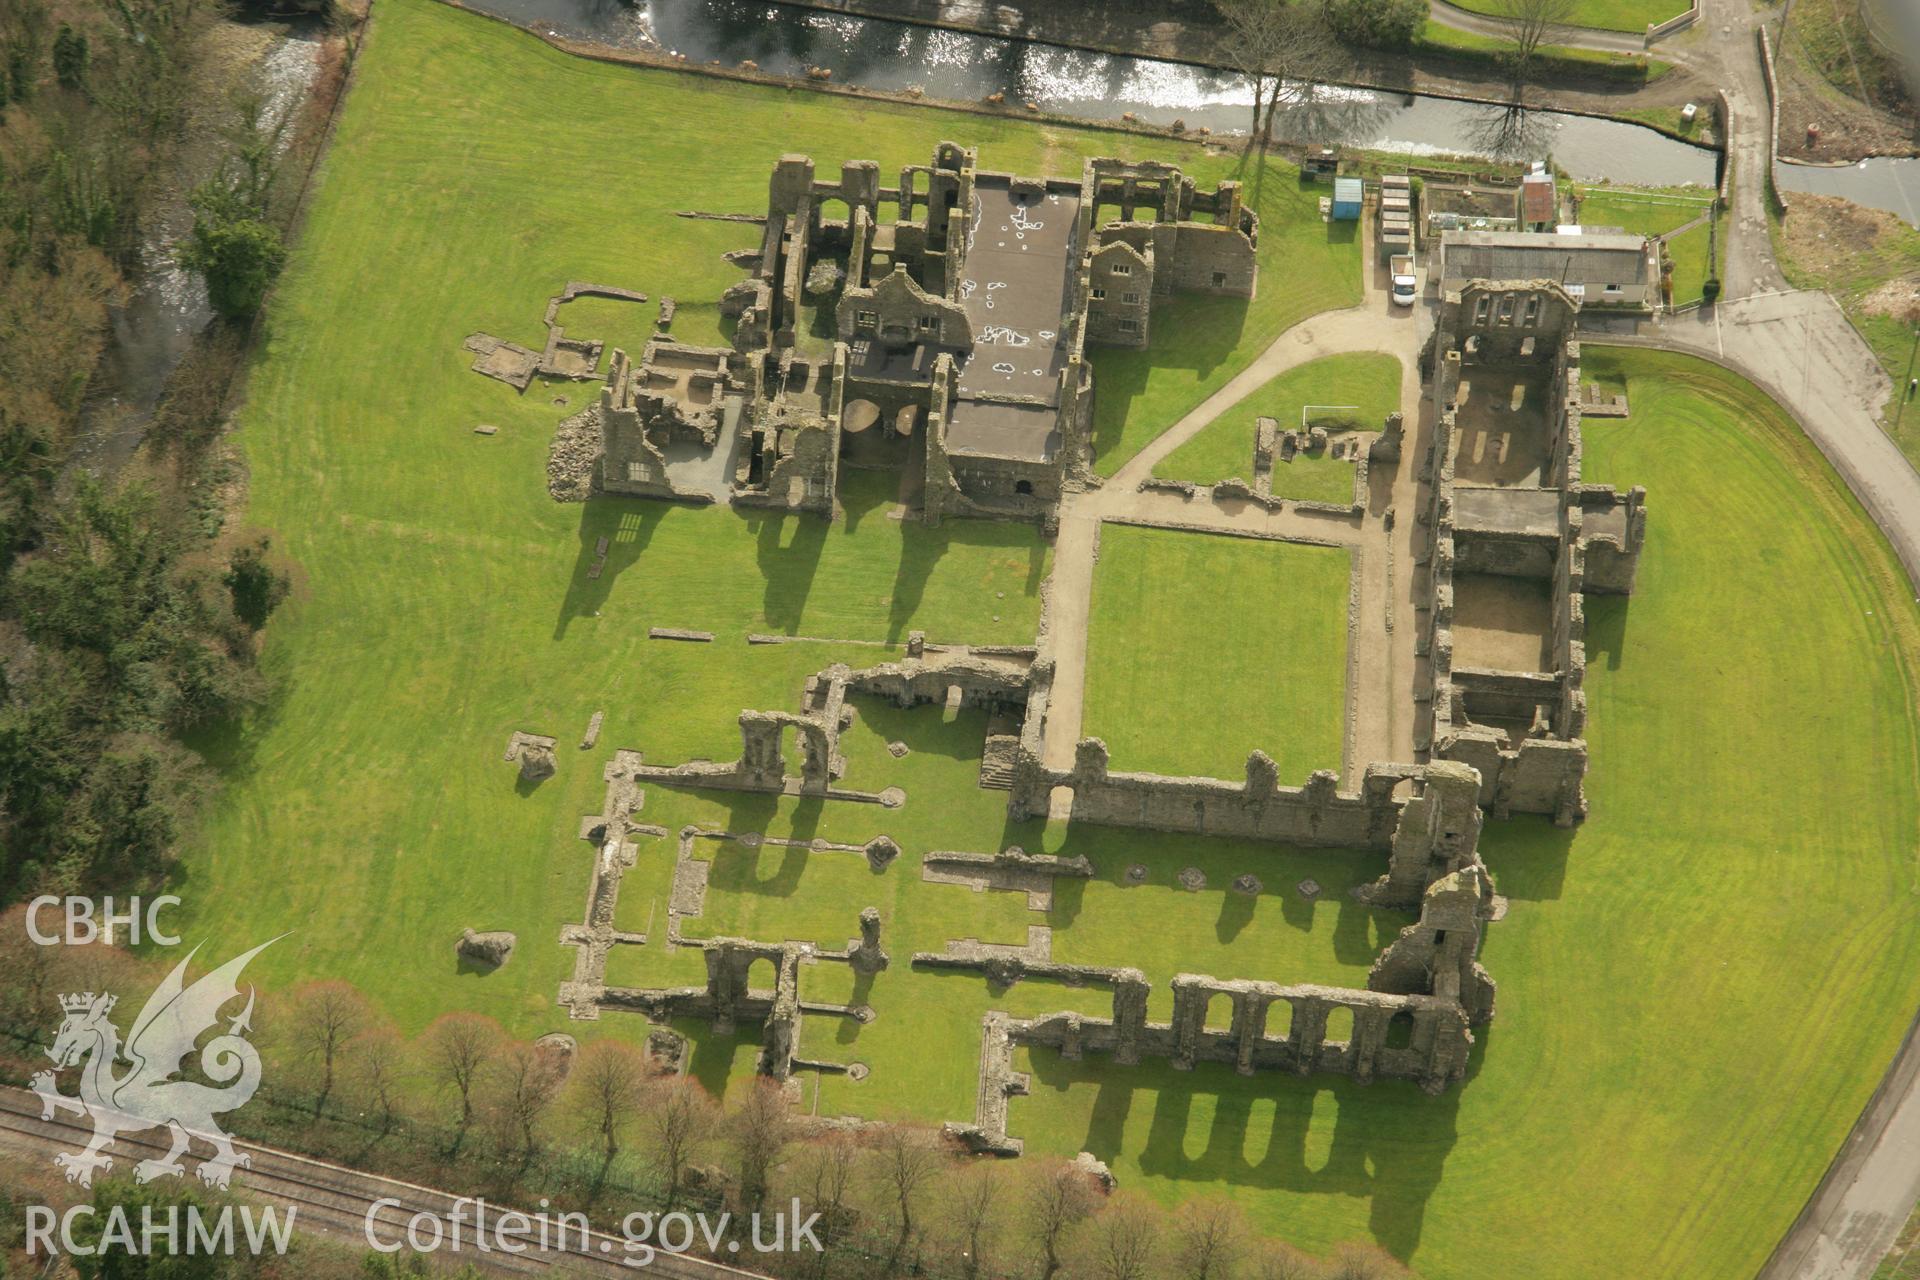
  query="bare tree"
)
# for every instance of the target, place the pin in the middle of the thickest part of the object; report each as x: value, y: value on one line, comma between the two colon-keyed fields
x: 607, y: 1089
x: 907, y: 1159
x: 826, y: 1182
x: 1276, y: 1261
x: 759, y: 1130
x: 678, y: 1121
x: 458, y: 1048
x: 1284, y: 48
x: 525, y: 1079
x: 380, y: 1064
x: 1126, y: 1239
x: 324, y: 1017
x: 1528, y: 24
x: 973, y: 1198
x: 1057, y: 1196
x: 1364, y: 1262
x: 1209, y: 1239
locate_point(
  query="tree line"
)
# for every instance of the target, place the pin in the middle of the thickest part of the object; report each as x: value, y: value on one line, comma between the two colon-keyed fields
x: 129, y: 610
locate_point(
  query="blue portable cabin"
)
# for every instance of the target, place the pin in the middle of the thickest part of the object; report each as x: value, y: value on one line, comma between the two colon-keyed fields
x: 1347, y: 194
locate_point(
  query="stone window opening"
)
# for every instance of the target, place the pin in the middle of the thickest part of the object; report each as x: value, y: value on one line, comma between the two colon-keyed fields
x: 1023, y: 486
x: 1219, y: 279
x: 1121, y: 269
x: 1533, y: 313
x: 1099, y: 294
x: 867, y: 319
x: 1129, y: 325
x: 1130, y: 298
x: 928, y: 323
x: 1613, y: 288
x: 1481, y: 309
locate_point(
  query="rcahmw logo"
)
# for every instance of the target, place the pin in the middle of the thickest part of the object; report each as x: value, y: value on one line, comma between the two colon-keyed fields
x: 148, y: 1094
x: 159, y: 1232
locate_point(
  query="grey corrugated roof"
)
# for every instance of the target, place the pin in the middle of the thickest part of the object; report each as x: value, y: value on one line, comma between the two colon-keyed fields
x: 1519, y: 255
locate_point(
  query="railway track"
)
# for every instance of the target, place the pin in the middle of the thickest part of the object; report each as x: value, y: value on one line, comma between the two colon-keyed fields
x: 338, y: 1203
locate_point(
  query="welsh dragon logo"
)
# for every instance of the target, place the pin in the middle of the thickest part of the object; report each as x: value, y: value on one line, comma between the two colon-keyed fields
x: 148, y: 1094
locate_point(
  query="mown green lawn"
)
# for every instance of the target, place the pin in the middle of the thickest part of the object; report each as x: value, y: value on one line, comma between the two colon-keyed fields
x: 1202, y: 648
x: 1692, y: 253
x: 1645, y: 211
x: 1635, y: 1109
x: 1698, y: 989
x: 1550, y: 62
x: 1607, y: 15
x: 1369, y: 382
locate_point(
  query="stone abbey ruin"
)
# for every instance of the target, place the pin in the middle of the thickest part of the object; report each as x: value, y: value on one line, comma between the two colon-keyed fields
x: 939, y: 324
x: 953, y: 337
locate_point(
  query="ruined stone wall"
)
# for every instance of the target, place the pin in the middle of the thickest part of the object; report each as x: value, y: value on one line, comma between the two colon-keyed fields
x: 1536, y: 774
x: 1613, y: 556
x: 1201, y: 258
x: 1510, y: 555
x: 1258, y: 808
x: 629, y: 462
x: 1432, y: 1051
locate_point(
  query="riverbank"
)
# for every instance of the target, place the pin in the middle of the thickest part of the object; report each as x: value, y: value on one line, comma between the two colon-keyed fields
x: 1187, y: 31
x: 796, y: 47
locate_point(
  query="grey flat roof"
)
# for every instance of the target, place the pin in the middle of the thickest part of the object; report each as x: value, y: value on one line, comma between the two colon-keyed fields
x: 1524, y: 255
x: 1533, y: 512
x: 1015, y: 280
x: 1005, y: 429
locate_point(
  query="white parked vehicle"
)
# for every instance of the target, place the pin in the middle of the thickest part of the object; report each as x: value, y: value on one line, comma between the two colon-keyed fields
x: 1406, y: 285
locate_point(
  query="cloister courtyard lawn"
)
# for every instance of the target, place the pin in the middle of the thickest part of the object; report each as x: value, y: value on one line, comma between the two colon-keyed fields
x: 1699, y: 988
x: 1202, y: 648
x: 1358, y: 387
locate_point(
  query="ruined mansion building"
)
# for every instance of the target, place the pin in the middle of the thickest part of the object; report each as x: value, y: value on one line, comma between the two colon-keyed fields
x: 940, y: 324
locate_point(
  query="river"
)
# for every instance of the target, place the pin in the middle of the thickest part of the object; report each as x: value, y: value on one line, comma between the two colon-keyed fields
x: 787, y: 40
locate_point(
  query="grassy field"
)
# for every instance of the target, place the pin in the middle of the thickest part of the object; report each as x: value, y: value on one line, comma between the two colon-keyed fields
x: 1645, y: 211
x: 1369, y: 381
x: 1551, y: 63
x: 1608, y: 15
x: 1640, y: 1107
x: 1690, y: 252
x: 1634, y: 1110
x: 1201, y: 648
